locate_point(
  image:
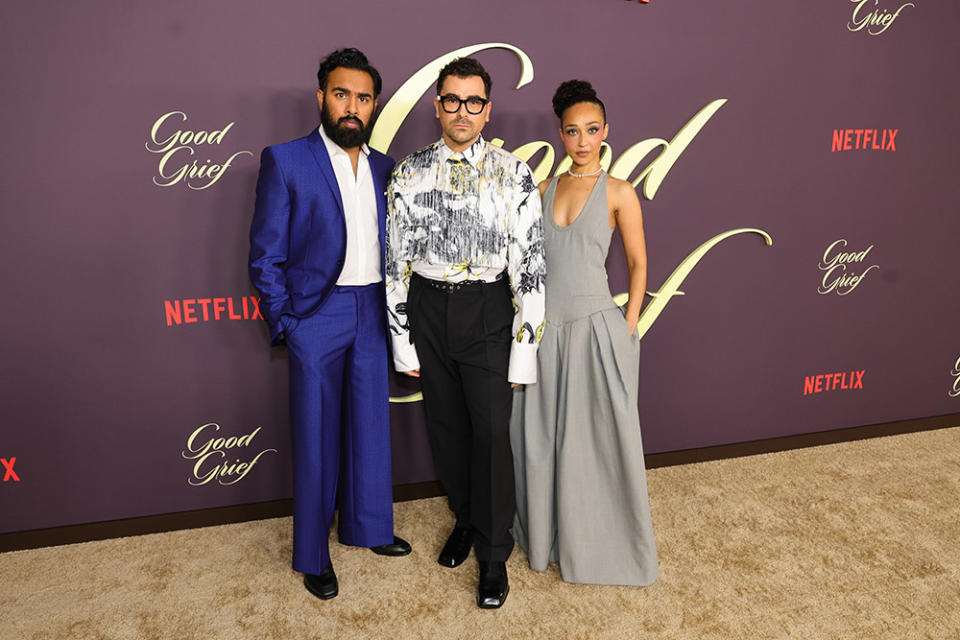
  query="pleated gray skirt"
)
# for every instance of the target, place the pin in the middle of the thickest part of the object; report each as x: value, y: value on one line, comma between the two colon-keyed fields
x: 578, y: 456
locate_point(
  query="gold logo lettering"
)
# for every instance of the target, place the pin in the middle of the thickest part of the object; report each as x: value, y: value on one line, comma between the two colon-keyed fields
x: 177, y: 150
x: 876, y: 21
x: 953, y: 393
x: 671, y: 286
x: 836, y: 277
x: 211, y: 459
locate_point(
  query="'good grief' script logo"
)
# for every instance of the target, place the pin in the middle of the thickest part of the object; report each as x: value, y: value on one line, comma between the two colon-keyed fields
x: 871, y: 17
x: 632, y: 163
x: 838, y: 269
x: 955, y: 391
x: 185, y: 153
x: 212, y: 455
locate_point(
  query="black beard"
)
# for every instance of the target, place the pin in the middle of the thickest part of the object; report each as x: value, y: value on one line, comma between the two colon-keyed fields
x: 342, y: 136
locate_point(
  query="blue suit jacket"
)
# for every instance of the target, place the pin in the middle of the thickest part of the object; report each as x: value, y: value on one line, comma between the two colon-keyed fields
x: 298, y: 237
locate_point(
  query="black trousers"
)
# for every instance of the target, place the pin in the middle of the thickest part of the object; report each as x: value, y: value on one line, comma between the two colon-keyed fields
x: 463, y: 342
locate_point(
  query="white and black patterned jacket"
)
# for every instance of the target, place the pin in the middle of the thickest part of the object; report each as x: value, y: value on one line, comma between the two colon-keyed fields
x: 471, y: 215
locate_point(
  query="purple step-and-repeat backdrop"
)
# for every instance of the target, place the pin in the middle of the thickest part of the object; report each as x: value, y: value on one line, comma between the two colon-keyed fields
x: 797, y: 165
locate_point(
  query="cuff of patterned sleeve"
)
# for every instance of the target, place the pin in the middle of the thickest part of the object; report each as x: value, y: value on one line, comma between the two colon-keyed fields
x: 523, y: 363
x: 404, y: 353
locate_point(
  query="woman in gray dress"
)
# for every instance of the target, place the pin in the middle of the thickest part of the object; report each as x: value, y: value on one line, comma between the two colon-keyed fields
x: 578, y: 456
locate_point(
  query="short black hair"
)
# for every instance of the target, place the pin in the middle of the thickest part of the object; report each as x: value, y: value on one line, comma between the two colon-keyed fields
x: 349, y: 58
x: 464, y: 68
x: 574, y: 92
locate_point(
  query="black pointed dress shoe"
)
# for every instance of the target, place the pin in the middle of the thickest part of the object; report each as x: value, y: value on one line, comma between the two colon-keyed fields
x: 493, y: 588
x: 323, y: 585
x: 457, y: 548
x: 399, y: 547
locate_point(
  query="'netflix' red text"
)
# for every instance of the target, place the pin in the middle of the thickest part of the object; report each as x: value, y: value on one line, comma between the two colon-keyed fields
x: 190, y: 310
x: 833, y: 381
x: 8, y: 473
x: 875, y: 139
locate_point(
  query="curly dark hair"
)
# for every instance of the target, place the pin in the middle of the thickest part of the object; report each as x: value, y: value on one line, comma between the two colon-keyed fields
x: 574, y: 92
x: 464, y: 68
x: 349, y: 59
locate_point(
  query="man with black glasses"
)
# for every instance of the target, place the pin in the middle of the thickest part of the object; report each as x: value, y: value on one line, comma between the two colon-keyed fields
x: 465, y: 278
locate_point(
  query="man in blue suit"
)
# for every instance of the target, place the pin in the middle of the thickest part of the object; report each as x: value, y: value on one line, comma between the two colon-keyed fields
x: 316, y: 255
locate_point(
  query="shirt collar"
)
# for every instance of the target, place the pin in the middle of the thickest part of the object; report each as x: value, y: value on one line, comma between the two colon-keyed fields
x: 471, y: 154
x: 336, y: 150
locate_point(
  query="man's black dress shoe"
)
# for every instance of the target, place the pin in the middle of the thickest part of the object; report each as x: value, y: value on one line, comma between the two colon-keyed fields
x: 323, y: 585
x: 400, y: 547
x: 493, y: 588
x: 457, y: 548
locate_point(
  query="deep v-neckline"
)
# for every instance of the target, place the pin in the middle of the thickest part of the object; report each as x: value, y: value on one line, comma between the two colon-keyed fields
x: 553, y: 202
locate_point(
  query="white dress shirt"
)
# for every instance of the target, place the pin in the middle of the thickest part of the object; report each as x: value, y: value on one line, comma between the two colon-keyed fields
x: 361, y: 265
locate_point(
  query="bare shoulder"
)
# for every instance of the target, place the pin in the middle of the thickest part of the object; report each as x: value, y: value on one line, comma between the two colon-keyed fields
x: 621, y: 193
x: 542, y: 187
x: 620, y: 188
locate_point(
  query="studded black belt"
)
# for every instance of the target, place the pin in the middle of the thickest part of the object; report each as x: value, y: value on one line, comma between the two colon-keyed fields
x: 449, y: 287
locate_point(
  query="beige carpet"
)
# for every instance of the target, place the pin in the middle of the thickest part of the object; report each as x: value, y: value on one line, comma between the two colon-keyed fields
x: 852, y: 541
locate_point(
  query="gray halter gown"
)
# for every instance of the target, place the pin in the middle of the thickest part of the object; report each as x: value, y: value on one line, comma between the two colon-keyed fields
x: 578, y: 456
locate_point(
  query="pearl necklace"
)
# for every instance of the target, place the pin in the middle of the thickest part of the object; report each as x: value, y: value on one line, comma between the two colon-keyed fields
x: 585, y: 175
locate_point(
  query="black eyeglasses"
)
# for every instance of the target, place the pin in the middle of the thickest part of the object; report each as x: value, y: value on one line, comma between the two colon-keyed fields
x: 451, y: 103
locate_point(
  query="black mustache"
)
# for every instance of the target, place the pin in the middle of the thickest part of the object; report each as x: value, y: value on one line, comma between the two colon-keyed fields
x: 347, y: 118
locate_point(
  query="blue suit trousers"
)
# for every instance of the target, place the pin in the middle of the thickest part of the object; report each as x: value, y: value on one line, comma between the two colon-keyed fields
x: 339, y: 407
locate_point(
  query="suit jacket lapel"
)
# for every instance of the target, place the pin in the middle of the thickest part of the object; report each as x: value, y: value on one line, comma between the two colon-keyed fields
x: 326, y: 167
x: 380, y: 180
